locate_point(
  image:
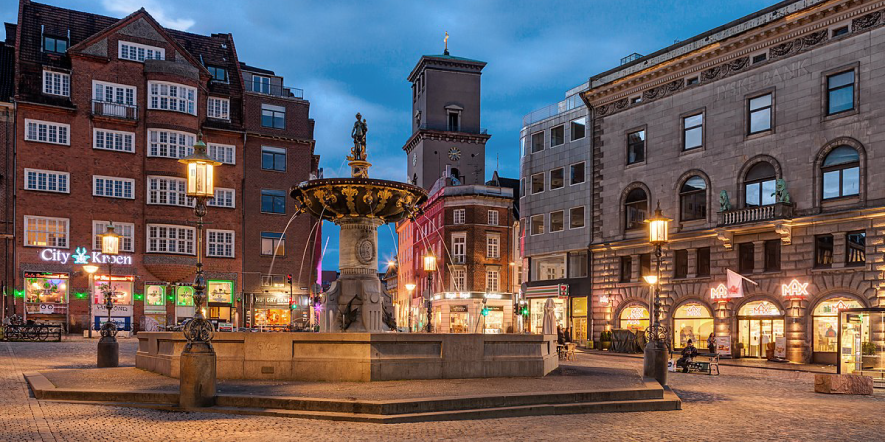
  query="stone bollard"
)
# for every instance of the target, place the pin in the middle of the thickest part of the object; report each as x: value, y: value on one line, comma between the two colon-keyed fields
x: 108, y: 352
x: 843, y: 384
x: 196, y: 378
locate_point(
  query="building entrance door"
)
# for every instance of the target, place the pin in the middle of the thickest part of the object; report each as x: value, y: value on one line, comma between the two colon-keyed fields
x: 755, y: 333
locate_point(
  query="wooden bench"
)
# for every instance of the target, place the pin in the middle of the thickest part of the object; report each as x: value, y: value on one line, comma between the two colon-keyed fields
x: 696, y: 366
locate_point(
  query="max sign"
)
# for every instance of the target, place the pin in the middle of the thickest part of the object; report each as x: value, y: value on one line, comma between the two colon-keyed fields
x: 81, y: 256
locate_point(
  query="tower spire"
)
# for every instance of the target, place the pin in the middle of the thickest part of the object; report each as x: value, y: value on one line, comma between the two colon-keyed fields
x: 446, y: 42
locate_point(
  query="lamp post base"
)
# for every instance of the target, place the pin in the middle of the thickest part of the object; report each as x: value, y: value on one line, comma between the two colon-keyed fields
x: 196, y: 386
x: 655, y: 361
x: 108, y: 352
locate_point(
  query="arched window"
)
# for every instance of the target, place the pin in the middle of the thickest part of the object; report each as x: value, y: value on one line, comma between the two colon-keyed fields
x: 693, y: 198
x: 635, y: 209
x: 841, y: 171
x: 759, y: 185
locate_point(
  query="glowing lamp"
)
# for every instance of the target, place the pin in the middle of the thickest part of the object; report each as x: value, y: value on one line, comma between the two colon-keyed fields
x: 90, y: 269
x: 651, y: 279
x: 429, y: 263
x: 200, y: 171
x: 658, y: 227
x: 110, y: 241
x: 410, y: 286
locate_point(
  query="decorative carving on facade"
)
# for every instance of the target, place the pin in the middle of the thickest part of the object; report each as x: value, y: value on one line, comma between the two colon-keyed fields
x: 785, y: 231
x: 800, y: 44
x: 866, y: 22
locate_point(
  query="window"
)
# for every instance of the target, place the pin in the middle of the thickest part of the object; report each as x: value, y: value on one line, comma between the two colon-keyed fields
x: 56, y: 83
x: 537, y: 224
x: 746, y: 257
x: 223, y: 153
x: 693, y: 199
x: 167, y: 191
x: 577, y: 264
x: 636, y: 100
x: 125, y: 230
x: 273, y: 158
x: 557, y: 135
x: 626, y: 269
x: 218, y: 108
x: 557, y: 178
x: 223, y: 198
x: 557, y: 221
x: 759, y: 58
x: 840, y: 92
x: 772, y: 255
x: 825, y: 322
x: 493, y: 217
x: 217, y: 73
x: 692, y: 81
x: 46, y: 232
x: 644, y: 264
x: 113, y: 93
x: 522, y: 146
x: 537, y: 142
x: 459, y: 280
x: 273, y: 243
x: 220, y: 243
x: 576, y: 217
x: 703, y: 261
x: 537, y: 183
x: 635, y: 209
x: 680, y: 263
x: 454, y: 121
x: 459, y: 248
x: 492, y: 281
x: 260, y: 84
x: 164, y: 238
x: 170, y: 143
x: 692, y: 320
x: 693, y: 131
x: 273, y: 116
x: 138, y: 52
x: 636, y: 147
x: 273, y: 201
x: 493, y: 246
x: 759, y: 185
x: 172, y: 97
x: 112, y: 187
x: 47, y: 132
x: 823, y: 251
x: 459, y: 216
x: 55, y: 44
x: 841, y: 30
x: 760, y: 114
x: 841, y: 172
x: 856, y: 251
x: 47, y: 181
x: 577, y: 173
x: 113, y: 140
x: 579, y: 128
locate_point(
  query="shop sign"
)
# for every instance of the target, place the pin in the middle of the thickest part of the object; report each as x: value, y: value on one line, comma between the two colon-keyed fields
x: 458, y: 309
x: 225, y: 327
x: 546, y: 291
x: 780, y: 347
x: 47, y: 309
x: 719, y: 292
x: 495, y: 308
x: 795, y: 290
x: 122, y: 323
x: 220, y: 291
x: 272, y: 299
x: 723, y: 345
x: 579, y: 307
x: 118, y: 310
x: 451, y: 295
x: 46, y: 275
x: 81, y: 256
x: 493, y: 296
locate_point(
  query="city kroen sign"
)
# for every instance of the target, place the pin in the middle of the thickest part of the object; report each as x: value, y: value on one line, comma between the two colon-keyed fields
x: 81, y: 256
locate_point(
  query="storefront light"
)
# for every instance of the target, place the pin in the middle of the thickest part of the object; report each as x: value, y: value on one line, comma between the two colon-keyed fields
x: 90, y: 269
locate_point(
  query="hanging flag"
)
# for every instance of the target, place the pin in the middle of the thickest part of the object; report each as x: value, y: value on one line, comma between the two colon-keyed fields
x: 735, y: 283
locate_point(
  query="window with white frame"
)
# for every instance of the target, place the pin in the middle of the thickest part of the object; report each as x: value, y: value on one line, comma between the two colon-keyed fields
x: 223, y: 198
x: 220, y: 243
x: 492, y: 277
x: 112, y: 187
x: 459, y: 280
x: 113, y: 93
x: 47, y: 181
x: 459, y: 248
x: 47, y: 132
x: 223, y: 153
x: 167, y: 191
x: 493, y: 217
x: 218, y: 108
x: 164, y: 238
x: 493, y: 246
x: 170, y: 143
x: 172, y: 97
x: 125, y: 230
x: 460, y: 216
x: 41, y: 231
x: 139, y: 52
x: 260, y: 84
x: 113, y: 140
x: 56, y: 83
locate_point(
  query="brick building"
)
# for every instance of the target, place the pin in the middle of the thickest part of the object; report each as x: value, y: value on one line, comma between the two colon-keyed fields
x: 713, y: 129
x: 7, y: 142
x: 105, y: 108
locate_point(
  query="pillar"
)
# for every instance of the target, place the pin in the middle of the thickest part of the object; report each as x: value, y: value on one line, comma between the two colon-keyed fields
x: 692, y: 263
x: 636, y: 269
x: 722, y: 320
x: 758, y: 256
x: 796, y: 325
x: 838, y: 249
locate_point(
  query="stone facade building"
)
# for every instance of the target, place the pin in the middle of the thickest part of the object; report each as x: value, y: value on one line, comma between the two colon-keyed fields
x: 761, y: 139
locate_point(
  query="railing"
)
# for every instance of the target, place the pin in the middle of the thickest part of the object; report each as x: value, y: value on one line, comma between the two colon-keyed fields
x: 553, y: 110
x: 37, y: 332
x: 755, y: 214
x: 275, y: 90
x: 114, y: 110
x: 423, y: 126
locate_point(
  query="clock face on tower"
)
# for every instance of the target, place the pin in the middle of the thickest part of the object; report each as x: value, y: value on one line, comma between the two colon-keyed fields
x: 454, y: 154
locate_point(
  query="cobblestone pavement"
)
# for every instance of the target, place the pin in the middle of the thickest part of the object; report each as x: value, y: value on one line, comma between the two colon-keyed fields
x: 739, y: 405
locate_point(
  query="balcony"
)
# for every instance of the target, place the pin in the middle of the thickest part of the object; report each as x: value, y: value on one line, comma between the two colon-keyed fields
x: 114, y: 110
x: 275, y: 90
x: 425, y: 126
x: 755, y: 214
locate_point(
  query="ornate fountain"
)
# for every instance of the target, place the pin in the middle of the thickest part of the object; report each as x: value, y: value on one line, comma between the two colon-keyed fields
x: 359, y: 205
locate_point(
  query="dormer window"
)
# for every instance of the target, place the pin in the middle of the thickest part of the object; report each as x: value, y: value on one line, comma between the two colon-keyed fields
x: 57, y: 45
x: 218, y: 74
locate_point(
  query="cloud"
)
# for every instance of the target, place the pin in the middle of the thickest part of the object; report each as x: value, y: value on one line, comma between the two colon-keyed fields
x: 126, y: 7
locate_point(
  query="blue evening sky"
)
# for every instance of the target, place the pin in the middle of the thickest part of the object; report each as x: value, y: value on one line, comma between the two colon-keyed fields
x: 351, y: 56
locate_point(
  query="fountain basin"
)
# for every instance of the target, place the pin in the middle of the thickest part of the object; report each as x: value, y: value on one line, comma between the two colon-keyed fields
x: 336, y: 198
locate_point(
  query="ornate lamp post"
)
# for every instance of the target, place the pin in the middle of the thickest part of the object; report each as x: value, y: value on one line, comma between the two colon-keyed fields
x: 108, y: 348
x: 90, y: 269
x: 197, y: 377
x: 410, y: 287
x: 655, y: 363
x: 429, y: 267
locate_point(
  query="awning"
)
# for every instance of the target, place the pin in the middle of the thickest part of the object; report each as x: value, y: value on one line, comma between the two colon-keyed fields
x: 547, y: 291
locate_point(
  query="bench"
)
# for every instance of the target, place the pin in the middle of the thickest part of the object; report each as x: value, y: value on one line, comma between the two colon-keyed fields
x: 696, y: 366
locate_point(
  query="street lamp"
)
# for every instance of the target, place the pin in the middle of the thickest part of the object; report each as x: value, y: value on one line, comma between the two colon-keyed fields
x: 429, y: 267
x: 655, y: 363
x: 410, y: 287
x: 108, y: 348
x: 91, y: 269
x: 197, y: 378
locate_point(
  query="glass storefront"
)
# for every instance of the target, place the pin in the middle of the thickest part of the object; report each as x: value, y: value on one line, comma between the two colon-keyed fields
x: 694, y: 321
x: 274, y: 317
x: 459, y: 319
x: 579, y: 320
x: 825, y: 319
x: 219, y: 296
x: 118, y: 287
x: 536, y: 308
x: 184, y: 303
x: 861, y: 343
x: 494, y: 320
x: 759, y: 324
x: 634, y: 317
x: 46, y: 295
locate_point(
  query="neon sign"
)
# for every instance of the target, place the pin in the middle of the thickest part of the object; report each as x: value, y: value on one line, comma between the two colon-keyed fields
x: 795, y: 290
x: 81, y: 256
x: 765, y: 309
x: 720, y: 292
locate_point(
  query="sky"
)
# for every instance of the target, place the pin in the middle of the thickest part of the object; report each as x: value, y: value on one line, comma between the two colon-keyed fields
x: 354, y: 56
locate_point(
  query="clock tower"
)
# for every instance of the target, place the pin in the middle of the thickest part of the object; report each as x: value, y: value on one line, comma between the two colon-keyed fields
x: 446, y: 139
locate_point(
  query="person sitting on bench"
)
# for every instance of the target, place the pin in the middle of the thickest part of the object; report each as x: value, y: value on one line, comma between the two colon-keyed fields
x: 688, y: 353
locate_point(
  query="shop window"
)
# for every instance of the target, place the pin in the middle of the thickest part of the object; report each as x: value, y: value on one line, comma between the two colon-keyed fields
x: 557, y: 178
x: 759, y: 114
x: 577, y: 264
x: 537, y: 142
x: 746, y: 258
x: 692, y: 321
x: 184, y: 296
x: 693, y: 199
x: 841, y: 173
x: 759, y: 185
x: 635, y: 209
x: 856, y: 243
x: 220, y: 291
x: 578, y: 128
x: 840, y: 92
x: 46, y: 288
x: 119, y: 288
x: 634, y: 318
x: 645, y: 265
x: 626, y: 269
x: 772, y: 255
x: 823, y: 251
x: 155, y: 295
x: 825, y: 322
x: 636, y: 147
x: 693, y: 131
x: 557, y: 136
x: 703, y: 261
x: 680, y: 263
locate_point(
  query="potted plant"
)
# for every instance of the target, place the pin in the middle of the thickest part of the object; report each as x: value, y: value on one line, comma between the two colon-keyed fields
x: 870, y: 358
x: 605, y: 339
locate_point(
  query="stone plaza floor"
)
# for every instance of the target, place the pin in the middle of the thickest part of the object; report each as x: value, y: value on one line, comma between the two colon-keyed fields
x: 743, y: 404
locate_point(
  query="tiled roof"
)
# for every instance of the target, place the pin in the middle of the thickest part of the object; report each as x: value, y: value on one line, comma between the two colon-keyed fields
x: 246, y: 67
